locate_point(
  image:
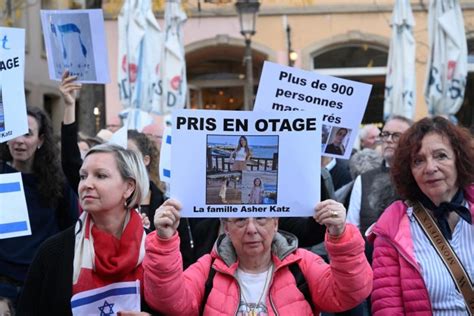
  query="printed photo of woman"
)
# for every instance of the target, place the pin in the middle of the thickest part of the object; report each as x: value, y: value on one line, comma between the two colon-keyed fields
x: 240, y: 155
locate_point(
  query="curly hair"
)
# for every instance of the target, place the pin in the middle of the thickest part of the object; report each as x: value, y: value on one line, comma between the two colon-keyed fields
x: 148, y: 147
x: 46, y: 164
x: 410, y: 143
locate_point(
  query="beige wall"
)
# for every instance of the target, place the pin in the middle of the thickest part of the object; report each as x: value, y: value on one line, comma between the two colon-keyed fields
x: 315, y: 25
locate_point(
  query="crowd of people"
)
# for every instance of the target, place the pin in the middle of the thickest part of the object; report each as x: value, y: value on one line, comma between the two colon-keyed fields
x: 381, y: 241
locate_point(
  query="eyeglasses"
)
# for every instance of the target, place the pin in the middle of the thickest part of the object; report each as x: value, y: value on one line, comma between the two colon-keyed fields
x: 244, y: 221
x: 385, y: 135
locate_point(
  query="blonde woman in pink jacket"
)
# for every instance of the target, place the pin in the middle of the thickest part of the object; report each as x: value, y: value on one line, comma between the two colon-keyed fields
x: 253, y: 264
x: 433, y: 169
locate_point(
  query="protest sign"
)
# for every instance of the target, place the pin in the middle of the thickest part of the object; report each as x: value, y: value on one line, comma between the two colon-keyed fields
x: 13, y: 119
x: 245, y: 164
x: 341, y: 103
x: 71, y: 44
x: 14, y: 221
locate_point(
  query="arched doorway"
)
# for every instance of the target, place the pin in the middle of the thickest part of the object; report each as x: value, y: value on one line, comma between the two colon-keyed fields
x: 216, y: 75
x: 360, y: 61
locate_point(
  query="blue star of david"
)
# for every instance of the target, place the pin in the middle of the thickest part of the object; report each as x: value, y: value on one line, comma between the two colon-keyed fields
x: 110, y: 310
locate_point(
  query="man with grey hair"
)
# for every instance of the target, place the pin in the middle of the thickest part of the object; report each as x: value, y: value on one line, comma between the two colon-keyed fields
x: 368, y: 136
x: 360, y: 212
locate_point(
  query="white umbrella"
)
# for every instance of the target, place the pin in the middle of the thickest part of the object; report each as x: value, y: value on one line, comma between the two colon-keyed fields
x: 140, y: 41
x: 447, y: 66
x: 173, y: 66
x: 400, y: 81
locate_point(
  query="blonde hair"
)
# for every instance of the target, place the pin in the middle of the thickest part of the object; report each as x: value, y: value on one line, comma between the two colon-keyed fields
x: 130, y: 165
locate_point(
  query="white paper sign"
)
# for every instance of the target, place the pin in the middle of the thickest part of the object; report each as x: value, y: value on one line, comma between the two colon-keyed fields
x: 245, y: 164
x: 13, y: 119
x: 341, y: 103
x: 14, y: 221
x: 75, y: 40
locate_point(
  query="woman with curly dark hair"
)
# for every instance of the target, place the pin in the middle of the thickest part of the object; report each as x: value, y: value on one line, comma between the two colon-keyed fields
x: 423, y: 244
x: 150, y: 153
x: 52, y: 205
x: 139, y: 142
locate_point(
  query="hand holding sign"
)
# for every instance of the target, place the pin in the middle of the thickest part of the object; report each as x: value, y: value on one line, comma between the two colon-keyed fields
x: 69, y: 88
x: 333, y: 215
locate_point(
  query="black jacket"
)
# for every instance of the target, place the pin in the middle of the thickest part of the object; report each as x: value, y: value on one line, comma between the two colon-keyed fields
x: 48, y: 287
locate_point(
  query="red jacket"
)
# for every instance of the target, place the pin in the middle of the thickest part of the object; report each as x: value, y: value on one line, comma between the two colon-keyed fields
x: 336, y: 287
x: 399, y: 288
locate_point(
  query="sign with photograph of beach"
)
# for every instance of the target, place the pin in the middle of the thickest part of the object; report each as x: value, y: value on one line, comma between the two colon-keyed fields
x: 341, y: 103
x: 245, y: 164
x: 242, y: 169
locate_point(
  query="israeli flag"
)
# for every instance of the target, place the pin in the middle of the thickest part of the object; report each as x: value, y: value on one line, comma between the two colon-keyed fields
x: 14, y: 218
x: 165, y: 156
x: 108, y: 300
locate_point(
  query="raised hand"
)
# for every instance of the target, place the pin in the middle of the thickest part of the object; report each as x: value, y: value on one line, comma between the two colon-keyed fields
x: 69, y: 88
x: 333, y: 215
x: 167, y: 218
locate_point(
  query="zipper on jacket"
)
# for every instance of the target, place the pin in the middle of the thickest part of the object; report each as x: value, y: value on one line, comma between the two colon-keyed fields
x: 272, y: 304
x: 238, y: 286
x: 269, y: 293
x: 240, y: 293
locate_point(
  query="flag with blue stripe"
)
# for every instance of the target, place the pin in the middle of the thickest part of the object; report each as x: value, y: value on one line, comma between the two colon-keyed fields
x: 108, y: 300
x: 14, y: 219
x: 165, y: 156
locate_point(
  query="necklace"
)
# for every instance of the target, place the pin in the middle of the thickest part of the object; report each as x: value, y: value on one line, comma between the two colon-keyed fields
x: 253, y: 309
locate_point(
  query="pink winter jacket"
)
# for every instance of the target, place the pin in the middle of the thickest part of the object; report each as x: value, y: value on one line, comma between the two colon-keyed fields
x: 399, y: 288
x: 336, y: 287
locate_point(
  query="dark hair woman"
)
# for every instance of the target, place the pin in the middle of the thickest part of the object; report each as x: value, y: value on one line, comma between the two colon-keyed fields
x: 52, y: 205
x: 433, y: 172
x: 139, y: 142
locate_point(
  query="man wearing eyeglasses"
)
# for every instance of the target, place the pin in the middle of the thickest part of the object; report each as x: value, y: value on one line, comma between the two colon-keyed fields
x: 360, y: 211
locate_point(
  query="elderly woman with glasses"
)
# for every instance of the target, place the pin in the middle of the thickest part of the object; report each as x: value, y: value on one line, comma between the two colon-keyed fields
x: 250, y: 271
